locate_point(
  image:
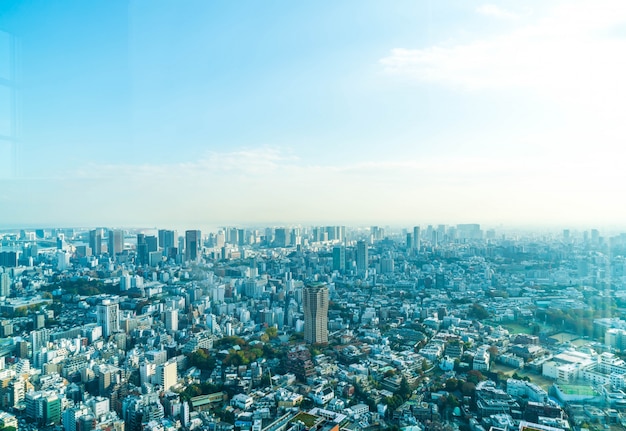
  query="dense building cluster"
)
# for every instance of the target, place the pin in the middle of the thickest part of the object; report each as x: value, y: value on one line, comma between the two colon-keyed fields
x: 326, y: 328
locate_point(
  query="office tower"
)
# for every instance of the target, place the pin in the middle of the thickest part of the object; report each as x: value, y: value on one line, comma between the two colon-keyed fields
x: 39, y: 339
x: 39, y: 320
x: 22, y: 349
x: 387, y: 265
x: 142, y: 249
x: 171, y: 320
x: 152, y: 242
x: 193, y: 239
x: 71, y: 416
x: 595, y: 236
x: 95, y: 241
x: 167, y: 240
x: 440, y: 234
x: 8, y: 259
x: 44, y: 407
x: 295, y: 237
x: 339, y: 258
x: 361, y: 256
x: 440, y: 280
x: 232, y: 235
x: 377, y: 233
x: 315, y: 303
x: 6, y: 328
x: 116, y: 242
x: 108, y: 314
x: 280, y: 237
x: 5, y: 284
x: 416, y: 238
x: 167, y: 374
x: 106, y: 379
x: 469, y: 231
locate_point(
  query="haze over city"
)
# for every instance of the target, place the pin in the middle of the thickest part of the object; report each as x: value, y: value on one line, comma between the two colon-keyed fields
x: 152, y: 113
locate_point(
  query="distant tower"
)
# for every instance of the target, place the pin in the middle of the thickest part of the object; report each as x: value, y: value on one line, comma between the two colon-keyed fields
x: 192, y: 244
x: 142, y: 249
x: 116, y: 242
x: 315, y: 302
x: 280, y: 237
x: 339, y: 258
x: 95, y: 241
x: 167, y: 240
x: 361, y: 256
x: 416, y: 238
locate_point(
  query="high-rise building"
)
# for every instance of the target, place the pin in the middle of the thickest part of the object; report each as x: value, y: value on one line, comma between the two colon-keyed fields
x: 44, y: 407
x: 167, y: 374
x: 315, y: 302
x: 142, y: 249
x: 193, y: 243
x: 116, y: 242
x: 416, y: 238
x: 339, y: 258
x: 171, y: 320
x: 39, y: 339
x: 95, y: 241
x: 71, y: 416
x: 8, y: 259
x: 5, y: 284
x: 108, y: 314
x: 361, y: 256
x: 280, y: 237
x: 167, y: 240
x: 153, y: 243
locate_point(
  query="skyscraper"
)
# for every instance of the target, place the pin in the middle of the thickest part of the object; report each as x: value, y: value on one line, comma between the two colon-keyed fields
x: 361, y: 256
x: 339, y: 258
x: 142, y: 249
x: 192, y: 244
x: 171, y: 320
x: 116, y: 242
x: 280, y: 237
x: 416, y: 238
x: 95, y: 241
x: 315, y: 302
x: 167, y: 240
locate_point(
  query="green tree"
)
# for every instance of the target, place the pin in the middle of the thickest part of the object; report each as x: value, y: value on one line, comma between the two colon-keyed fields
x: 479, y: 312
x: 468, y: 388
x: 475, y: 376
x: 451, y: 384
x: 405, y: 390
x: 272, y: 332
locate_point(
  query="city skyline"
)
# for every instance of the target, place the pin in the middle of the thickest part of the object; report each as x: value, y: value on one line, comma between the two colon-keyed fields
x: 420, y: 112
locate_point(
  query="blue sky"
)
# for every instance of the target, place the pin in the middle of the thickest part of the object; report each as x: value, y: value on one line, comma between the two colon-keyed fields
x: 195, y: 112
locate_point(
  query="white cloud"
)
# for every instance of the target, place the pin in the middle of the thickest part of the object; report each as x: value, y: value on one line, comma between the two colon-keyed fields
x: 566, y: 54
x: 496, y: 11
